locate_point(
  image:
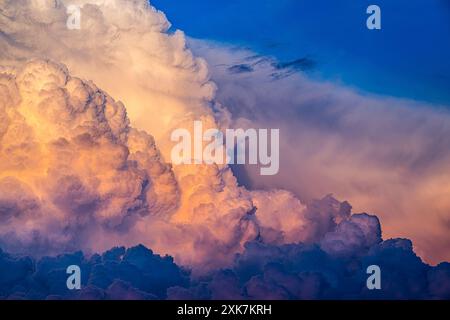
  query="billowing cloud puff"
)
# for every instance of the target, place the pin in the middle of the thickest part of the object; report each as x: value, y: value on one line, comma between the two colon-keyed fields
x: 360, y: 232
x: 71, y: 163
x: 124, y: 47
x: 282, y: 218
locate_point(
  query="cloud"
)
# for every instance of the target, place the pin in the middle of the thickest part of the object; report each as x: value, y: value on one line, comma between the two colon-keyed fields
x: 124, y: 47
x: 361, y: 231
x: 134, y: 273
x: 382, y: 154
x: 71, y: 163
x: 88, y: 173
x: 79, y: 169
x: 76, y: 175
x: 240, y: 68
x: 261, y: 271
x: 86, y: 177
x: 286, y: 69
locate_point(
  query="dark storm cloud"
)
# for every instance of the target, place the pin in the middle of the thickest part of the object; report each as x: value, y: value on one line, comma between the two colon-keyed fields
x: 134, y: 273
x: 333, y: 267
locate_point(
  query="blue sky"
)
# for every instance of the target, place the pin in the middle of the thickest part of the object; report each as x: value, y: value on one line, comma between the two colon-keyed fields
x: 409, y: 57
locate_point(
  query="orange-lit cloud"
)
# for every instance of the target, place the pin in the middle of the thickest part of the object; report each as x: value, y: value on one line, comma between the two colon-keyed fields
x: 79, y: 169
x: 74, y: 174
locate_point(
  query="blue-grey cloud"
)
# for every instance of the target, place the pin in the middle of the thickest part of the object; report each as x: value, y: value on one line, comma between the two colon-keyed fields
x: 134, y: 273
x: 286, y: 69
x: 240, y: 68
x: 332, y: 267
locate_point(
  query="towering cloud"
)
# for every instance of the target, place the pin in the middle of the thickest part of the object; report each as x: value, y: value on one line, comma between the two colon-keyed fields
x: 79, y: 170
x: 71, y: 163
x: 123, y: 46
x: 76, y: 174
x: 83, y: 169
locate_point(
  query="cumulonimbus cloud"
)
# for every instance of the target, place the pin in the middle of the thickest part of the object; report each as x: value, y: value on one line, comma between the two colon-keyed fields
x: 80, y: 170
x: 107, y: 173
x: 76, y: 174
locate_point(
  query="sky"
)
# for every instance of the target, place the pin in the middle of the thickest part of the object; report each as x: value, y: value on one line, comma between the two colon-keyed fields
x: 87, y: 116
x: 408, y: 57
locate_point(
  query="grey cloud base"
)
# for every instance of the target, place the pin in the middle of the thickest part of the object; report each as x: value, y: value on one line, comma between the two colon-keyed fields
x: 333, y: 268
